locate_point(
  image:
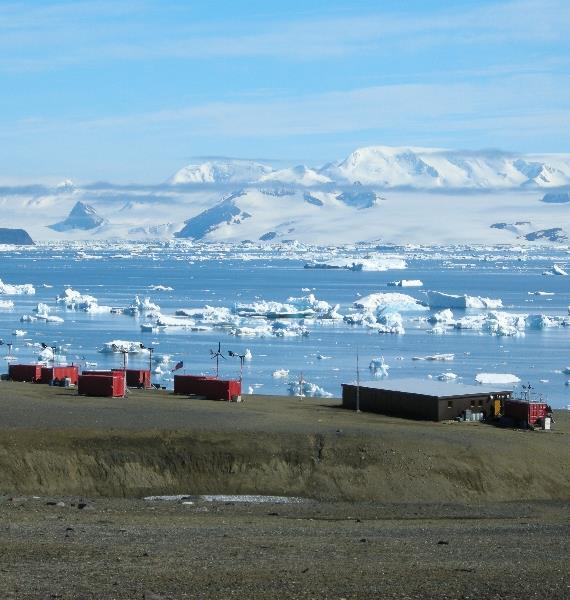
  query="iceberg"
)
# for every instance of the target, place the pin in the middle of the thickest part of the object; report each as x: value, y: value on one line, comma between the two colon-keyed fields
x: 160, y: 288
x: 436, y: 357
x: 496, y: 378
x: 280, y: 373
x: 74, y: 300
x: 444, y: 317
x: 379, y: 367
x: 442, y: 300
x: 406, y: 283
x: 558, y: 270
x: 305, y: 388
x: 141, y: 306
x: 390, y: 323
x: 6, y: 304
x: 447, y: 376
x: 388, y: 301
x: 123, y: 346
x: 365, y: 264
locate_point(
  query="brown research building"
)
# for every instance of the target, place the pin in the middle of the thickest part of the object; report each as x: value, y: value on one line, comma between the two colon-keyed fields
x: 423, y: 399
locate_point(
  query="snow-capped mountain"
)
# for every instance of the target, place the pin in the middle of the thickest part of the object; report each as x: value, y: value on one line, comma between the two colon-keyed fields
x: 82, y: 216
x: 422, y: 168
x: 221, y: 171
x: 397, y: 167
x: 397, y: 195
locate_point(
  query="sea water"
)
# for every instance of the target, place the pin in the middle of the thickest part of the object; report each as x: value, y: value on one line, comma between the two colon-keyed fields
x: 222, y: 275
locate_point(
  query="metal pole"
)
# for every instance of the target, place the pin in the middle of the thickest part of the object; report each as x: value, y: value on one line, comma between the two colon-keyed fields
x: 125, y: 373
x: 357, y: 383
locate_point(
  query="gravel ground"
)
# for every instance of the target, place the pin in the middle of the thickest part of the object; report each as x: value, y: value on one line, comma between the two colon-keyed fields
x: 52, y: 548
x: 436, y: 510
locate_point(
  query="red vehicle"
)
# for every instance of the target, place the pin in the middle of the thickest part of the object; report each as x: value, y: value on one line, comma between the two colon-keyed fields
x: 29, y: 373
x: 110, y: 386
x: 524, y: 411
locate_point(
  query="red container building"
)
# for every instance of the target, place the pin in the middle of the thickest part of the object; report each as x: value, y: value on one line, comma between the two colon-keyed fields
x: 136, y: 378
x: 29, y: 373
x: 110, y: 386
x: 208, y: 387
x: 521, y: 410
x: 50, y: 374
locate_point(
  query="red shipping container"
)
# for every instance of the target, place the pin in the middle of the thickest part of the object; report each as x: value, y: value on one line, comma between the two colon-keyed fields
x: 520, y: 410
x: 186, y: 384
x: 136, y: 378
x: 209, y: 387
x: 29, y: 373
x: 109, y: 386
x: 49, y: 374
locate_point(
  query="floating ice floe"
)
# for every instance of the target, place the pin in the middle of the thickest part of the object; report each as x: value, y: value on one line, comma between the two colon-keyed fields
x: 280, y: 373
x: 174, y: 321
x: 248, y: 355
x: 496, y: 378
x: 406, y: 283
x: 216, y: 316
x: 305, y: 388
x: 539, y: 293
x: 435, y: 357
x: 19, y: 332
x: 447, y: 376
x: 558, y: 270
x: 294, y: 308
x: 122, y: 346
x: 26, y: 289
x: 442, y: 300
x: 160, y: 288
x: 41, y: 317
x: 6, y: 304
x: 364, y: 264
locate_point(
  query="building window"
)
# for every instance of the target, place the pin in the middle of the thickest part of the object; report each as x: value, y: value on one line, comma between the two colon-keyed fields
x: 480, y: 402
x: 472, y: 403
x: 449, y: 404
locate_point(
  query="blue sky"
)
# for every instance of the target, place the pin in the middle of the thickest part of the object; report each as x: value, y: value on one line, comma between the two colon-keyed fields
x: 133, y: 90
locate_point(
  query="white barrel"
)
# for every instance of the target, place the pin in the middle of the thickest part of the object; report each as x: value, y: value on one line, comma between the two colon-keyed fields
x: 547, y: 423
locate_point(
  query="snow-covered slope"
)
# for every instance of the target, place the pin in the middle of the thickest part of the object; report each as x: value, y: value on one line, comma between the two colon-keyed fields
x: 221, y: 171
x: 299, y: 175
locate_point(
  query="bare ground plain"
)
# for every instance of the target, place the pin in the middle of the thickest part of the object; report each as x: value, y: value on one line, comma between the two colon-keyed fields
x: 393, y: 509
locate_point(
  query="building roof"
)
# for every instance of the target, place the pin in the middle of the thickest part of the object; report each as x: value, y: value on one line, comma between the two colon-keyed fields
x: 429, y: 387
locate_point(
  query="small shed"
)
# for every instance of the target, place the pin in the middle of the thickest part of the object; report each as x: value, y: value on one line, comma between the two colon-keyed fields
x: 422, y: 399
